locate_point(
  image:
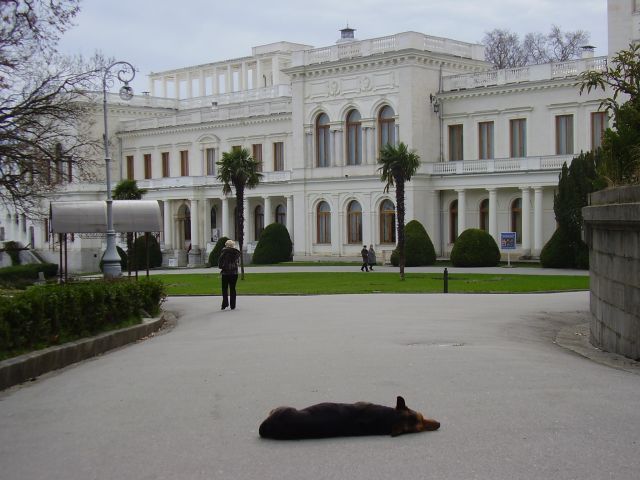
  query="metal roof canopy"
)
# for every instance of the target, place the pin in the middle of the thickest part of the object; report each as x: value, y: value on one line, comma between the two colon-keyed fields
x: 91, y: 216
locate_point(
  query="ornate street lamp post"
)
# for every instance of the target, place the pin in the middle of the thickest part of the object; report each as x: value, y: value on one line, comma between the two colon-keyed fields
x: 126, y: 73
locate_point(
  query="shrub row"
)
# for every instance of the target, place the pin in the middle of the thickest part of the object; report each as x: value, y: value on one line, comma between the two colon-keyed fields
x: 23, y: 275
x: 44, y: 313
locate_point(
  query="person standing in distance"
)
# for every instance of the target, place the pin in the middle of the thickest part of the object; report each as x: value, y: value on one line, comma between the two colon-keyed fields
x: 372, y: 257
x: 365, y: 259
x: 228, y: 265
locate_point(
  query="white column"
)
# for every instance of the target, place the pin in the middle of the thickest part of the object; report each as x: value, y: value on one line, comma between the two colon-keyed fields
x: 243, y: 76
x: 259, y: 83
x: 433, y: 219
x: 215, y: 82
x: 290, y: 215
x: 189, y: 85
x: 268, y: 214
x: 365, y: 146
x: 207, y: 223
x: 276, y: 70
x: 337, y: 160
x: 493, y: 213
x: 152, y: 87
x: 225, y: 217
x: 462, y: 211
x: 228, y: 81
x: 309, y: 154
x: 537, y: 220
x: 167, y: 233
x: 526, y: 221
x: 195, y: 223
x: 247, y: 220
x: 164, y: 87
x: 203, y: 85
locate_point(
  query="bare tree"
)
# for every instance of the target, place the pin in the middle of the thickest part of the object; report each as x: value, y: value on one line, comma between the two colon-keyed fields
x: 504, y: 49
x: 44, y: 110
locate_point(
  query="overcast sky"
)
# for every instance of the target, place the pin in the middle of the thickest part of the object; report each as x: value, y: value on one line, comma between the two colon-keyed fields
x: 157, y: 35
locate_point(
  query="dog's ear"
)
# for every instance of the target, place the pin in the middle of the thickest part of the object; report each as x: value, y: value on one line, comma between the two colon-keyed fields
x: 400, y: 405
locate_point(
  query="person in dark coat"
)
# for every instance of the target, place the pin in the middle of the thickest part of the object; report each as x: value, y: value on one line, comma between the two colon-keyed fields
x: 228, y: 265
x: 365, y: 259
x: 372, y: 257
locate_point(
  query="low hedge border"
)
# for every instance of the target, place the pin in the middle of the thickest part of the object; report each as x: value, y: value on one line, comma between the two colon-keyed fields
x: 31, y: 365
x: 46, y: 314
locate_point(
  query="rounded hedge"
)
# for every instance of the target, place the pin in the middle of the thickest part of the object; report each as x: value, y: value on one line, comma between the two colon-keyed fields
x: 475, y: 248
x: 215, y: 253
x: 139, y: 254
x: 123, y: 259
x: 418, y: 248
x: 274, y: 246
x: 561, y: 252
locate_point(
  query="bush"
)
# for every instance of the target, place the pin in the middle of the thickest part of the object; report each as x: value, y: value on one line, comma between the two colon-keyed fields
x: 563, y: 252
x: 475, y: 248
x: 21, y: 276
x: 13, y: 250
x: 215, y: 253
x: 274, y: 246
x: 418, y: 248
x: 139, y: 253
x: 42, y: 313
x: 123, y: 259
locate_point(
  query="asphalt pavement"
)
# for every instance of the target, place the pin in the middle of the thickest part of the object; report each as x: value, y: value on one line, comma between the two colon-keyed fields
x: 187, y: 404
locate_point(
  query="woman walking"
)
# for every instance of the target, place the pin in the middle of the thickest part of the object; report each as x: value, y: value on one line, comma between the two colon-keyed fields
x: 371, y: 257
x: 228, y: 265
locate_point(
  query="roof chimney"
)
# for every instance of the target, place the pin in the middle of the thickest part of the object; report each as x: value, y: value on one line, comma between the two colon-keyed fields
x: 587, y: 51
x: 346, y: 35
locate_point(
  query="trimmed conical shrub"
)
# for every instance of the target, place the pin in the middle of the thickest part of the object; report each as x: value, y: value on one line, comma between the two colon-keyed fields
x: 475, y: 248
x: 418, y: 248
x: 274, y: 245
x: 215, y: 253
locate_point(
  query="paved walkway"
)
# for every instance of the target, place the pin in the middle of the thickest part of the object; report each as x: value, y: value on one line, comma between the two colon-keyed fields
x: 187, y: 404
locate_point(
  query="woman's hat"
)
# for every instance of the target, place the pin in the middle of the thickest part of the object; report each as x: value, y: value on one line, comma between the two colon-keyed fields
x: 230, y: 244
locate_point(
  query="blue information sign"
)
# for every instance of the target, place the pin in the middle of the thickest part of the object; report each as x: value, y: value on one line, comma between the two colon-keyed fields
x: 507, y: 240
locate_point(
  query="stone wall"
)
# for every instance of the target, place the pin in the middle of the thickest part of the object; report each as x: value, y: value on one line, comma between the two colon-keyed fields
x: 612, y: 231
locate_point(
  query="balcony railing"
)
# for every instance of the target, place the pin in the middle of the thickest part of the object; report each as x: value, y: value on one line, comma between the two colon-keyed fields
x: 207, y: 180
x: 391, y: 43
x: 498, y: 165
x: 547, y: 71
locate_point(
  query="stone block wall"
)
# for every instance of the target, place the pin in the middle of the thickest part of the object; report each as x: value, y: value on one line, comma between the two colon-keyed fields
x: 612, y: 231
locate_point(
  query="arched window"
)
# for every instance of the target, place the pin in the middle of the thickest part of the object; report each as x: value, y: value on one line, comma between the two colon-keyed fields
x: 323, y: 215
x: 281, y: 216
x: 516, y: 218
x: 453, y: 221
x: 387, y: 222
x: 354, y: 222
x: 484, y: 215
x: 354, y: 138
x: 386, y: 126
x: 323, y: 147
x: 258, y: 221
x: 214, y: 218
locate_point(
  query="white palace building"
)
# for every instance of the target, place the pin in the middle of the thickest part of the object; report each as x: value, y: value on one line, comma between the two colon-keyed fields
x: 491, y: 142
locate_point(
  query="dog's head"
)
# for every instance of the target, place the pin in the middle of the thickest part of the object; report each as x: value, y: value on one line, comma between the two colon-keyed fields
x: 409, y: 421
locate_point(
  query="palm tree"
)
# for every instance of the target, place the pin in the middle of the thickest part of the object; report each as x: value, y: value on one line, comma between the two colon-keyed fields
x: 398, y: 165
x: 239, y: 169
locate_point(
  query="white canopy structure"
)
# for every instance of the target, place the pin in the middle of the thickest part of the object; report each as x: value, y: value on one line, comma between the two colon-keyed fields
x: 91, y: 216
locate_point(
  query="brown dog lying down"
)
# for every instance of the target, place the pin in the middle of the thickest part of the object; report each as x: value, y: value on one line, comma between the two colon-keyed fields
x: 344, y: 420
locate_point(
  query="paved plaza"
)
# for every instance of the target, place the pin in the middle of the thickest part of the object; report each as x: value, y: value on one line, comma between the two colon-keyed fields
x: 186, y: 404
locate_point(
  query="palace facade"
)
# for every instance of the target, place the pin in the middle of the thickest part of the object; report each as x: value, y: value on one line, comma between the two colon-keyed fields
x: 491, y: 142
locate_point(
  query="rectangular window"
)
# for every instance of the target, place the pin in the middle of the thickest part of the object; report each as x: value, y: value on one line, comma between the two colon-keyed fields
x: 599, y: 123
x: 69, y: 170
x: 130, y: 172
x: 564, y: 134
x: 210, y: 154
x: 184, y: 163
x: 236, y: 148
x: 518, y: 138
x: 256, y: 153
x: 278, y: 156
x: 455, y: 142
x: 165, y: 164
x: 147, y: 165
x: 485, y: 140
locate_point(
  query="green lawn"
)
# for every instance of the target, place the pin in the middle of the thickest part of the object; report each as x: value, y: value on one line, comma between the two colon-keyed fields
x: 318, y: 283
